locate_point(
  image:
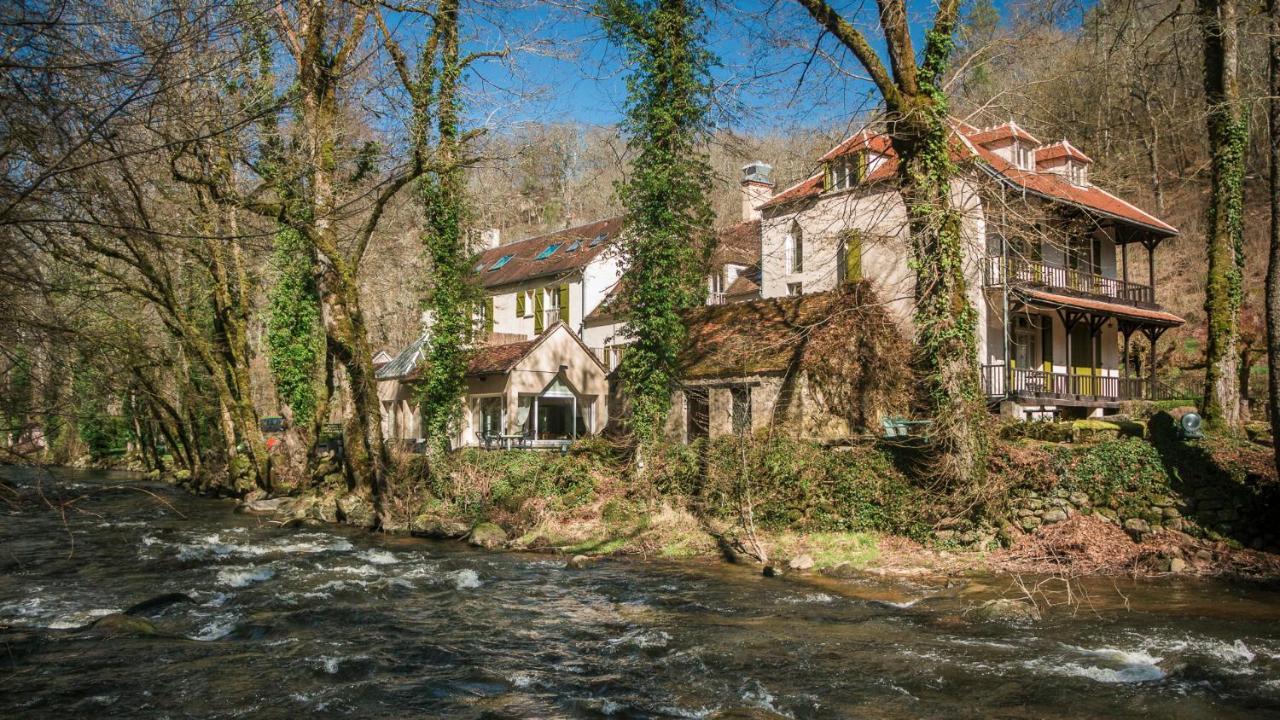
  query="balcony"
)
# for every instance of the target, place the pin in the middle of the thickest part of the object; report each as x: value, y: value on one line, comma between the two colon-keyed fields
x: 1067, y: 388
x: 1037, y: 273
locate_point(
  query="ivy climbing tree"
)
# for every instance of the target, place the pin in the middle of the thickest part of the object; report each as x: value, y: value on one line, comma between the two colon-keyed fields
x: 668, y: 234
x: 295, y: 336
x: 1228, y: 128
x: 949, y: 385
x: 440, y: 148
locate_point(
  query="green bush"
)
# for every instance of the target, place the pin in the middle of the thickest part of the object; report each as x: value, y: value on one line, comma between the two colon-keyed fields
x: 478, y: 480
x: 1124, y: 473
x: 803, y: 486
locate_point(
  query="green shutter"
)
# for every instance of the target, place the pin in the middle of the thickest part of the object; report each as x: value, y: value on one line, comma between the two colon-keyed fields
x: 853, y: 256
x: 537, y: 311
x: 520, y: 304
x: 564, y: 303
x: 860, y: 167
x: 488, y: 314
x: 826, y: 176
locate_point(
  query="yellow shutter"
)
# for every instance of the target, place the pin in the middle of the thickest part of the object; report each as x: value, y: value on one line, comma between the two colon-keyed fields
x: 853, y: 256
x: 826, y: 176
x: 537, y: 310
x: 860, y: 166
x: 520, y: 304
x: 564, y: 303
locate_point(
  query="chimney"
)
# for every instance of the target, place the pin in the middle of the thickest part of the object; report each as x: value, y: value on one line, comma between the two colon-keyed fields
x: 490, y: 238
x: 757, y: 188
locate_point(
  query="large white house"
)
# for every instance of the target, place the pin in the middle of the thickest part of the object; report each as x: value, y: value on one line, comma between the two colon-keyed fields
x: 1051, y: 259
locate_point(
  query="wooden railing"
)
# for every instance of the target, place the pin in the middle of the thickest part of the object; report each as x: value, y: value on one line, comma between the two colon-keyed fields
x: 1002, y: 381
x: 999, y: 271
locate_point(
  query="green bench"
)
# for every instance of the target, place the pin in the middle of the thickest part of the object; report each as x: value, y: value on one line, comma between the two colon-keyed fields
x: 896, y: 427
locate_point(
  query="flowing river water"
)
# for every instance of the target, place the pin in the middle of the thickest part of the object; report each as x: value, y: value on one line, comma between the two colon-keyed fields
x: 287, y: 623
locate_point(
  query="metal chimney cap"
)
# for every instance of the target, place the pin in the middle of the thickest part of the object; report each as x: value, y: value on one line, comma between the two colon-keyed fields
x: 757, y: 171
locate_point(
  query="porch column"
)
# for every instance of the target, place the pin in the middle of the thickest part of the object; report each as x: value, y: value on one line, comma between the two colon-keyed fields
x: 1151, y: 266
x: 1124, y: 256
x: 1153, y: 334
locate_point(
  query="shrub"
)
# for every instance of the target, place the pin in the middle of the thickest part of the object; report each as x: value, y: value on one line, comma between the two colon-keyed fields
x: 790, y: 484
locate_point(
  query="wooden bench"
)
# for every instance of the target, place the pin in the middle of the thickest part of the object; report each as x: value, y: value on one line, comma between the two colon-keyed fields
x: 896, y: 427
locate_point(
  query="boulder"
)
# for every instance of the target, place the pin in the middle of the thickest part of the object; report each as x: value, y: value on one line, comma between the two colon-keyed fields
x: 266, y: 506
x: 577, y: 562
x: 1008, y: 610
x: 438, y: 528
x: 772, y: 571
x: 1030, y: 523
x: 801, y: 562
x: 1137, y: 528
x: 1079, y: 499
x: 354, y: 509
x: 1055, y: 515
x: 487, y: 535
x: 1177, y: 565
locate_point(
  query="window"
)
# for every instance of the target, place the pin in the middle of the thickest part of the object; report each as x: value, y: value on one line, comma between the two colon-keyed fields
x: 491, y: 417
x: 717, y: 283
x: 573, y: 246
x: 740, y: 409
x: 795, y: 289
x: 599, y: 239
x: 1076, y: 173
x: 794, y: 249
x: 501, y: 261
x: 1023, y: 156
x: 845, y: 172
x: 548, y: 251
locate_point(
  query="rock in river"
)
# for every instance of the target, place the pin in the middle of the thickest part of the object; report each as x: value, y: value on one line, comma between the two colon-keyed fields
x: 1009, y: 610
x: 488, y: 536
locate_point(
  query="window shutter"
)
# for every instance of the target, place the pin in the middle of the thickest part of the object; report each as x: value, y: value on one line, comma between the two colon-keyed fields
x: 859, y: 167
x: 520, y: 304
x: 826, y: 176
x: 853, y: 256
x: 488, y: 314
x: 564, y: 303
x: 537, y: 311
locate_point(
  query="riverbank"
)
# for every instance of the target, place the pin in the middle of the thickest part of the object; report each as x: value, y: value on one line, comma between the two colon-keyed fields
x: 1111, y: 504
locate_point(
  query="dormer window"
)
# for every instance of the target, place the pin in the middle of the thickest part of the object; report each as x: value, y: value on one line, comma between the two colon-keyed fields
x: 1024, y: 156
x: 1077, y: 173
x: 844, y: 172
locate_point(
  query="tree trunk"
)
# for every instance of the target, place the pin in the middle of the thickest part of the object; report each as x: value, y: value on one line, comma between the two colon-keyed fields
x: 950, y: 391
x: 1228, y: 137
x: 1273, y: 258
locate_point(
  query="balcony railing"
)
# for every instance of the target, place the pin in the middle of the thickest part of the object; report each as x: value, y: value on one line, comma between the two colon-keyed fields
x: 1021, y: 271
x: 610, y: 356
x: 715, y: 298
x: 1002, y: 381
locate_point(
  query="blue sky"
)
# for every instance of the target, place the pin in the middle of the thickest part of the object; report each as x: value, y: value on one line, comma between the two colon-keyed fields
x: 566, y: 70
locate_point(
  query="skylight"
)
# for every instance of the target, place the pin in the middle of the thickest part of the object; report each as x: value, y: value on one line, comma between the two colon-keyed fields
x: 501, y: 261
x: 573, y: 246
x: 479, y: 267
x: 548, y: 252
x: 598, y: 239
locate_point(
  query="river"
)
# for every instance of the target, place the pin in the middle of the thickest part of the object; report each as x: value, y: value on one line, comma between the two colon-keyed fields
x: 333, y: 622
